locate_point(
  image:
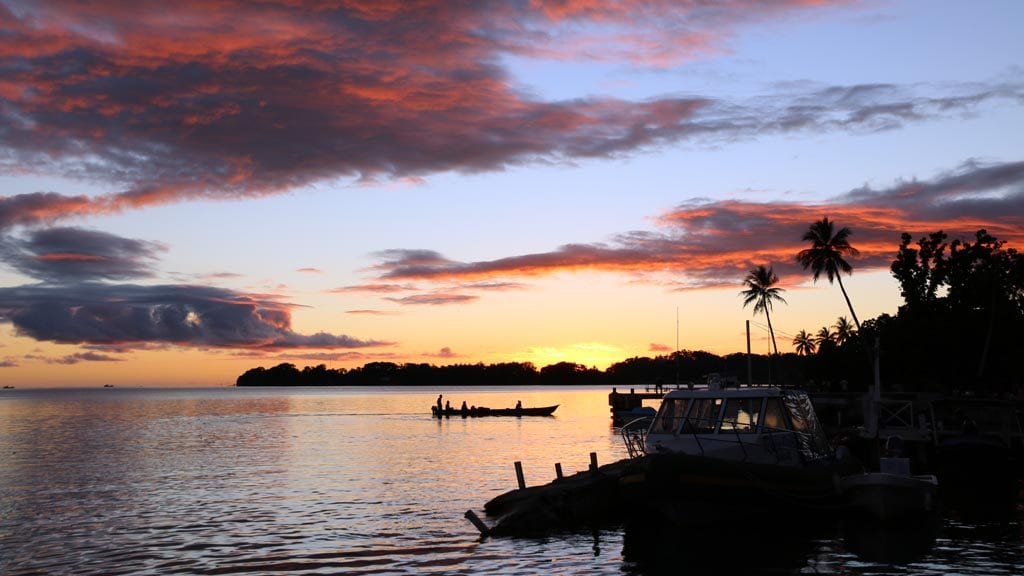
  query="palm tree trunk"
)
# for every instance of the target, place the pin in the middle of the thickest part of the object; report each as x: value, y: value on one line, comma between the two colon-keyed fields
x: 771, y: 331
x: 848, y: 303
x: 872, y: 354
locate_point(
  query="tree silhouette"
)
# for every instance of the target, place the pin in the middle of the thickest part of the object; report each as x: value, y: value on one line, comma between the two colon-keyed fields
x: 804, y: 343
x: 824, y: 337
x: 826, y: 255
x: 844, y: 330
x: 761, y: 291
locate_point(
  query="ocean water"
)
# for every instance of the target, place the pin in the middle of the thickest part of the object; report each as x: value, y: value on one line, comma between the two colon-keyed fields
x: 364, y: 481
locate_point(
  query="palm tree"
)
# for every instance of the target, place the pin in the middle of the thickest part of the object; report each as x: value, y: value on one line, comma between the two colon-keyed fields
x: 826, y: 255
x: 844, y: 330
x: 761, y: 291
x: 824, y: 337
x: 804, y: 343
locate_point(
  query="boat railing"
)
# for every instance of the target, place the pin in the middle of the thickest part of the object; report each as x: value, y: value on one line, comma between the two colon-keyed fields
x: 777, y: 441
x: 781, y: 443
x: 634, y: 434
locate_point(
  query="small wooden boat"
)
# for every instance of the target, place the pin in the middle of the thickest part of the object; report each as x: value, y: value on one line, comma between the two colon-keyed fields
x: 892, y: 494
x: 479, y: 411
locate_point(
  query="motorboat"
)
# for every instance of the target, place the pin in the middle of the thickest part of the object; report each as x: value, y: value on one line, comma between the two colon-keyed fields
x: 621, y: 417
x: 745, y: 447
x: 892, y: 494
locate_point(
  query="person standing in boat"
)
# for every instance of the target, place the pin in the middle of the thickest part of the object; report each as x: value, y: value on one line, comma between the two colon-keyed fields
x: 463, y: 409
x: 439, y: 405
x: 519, y: 407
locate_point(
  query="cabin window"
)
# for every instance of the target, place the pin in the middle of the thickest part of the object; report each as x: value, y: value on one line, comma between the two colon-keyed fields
x: 741, y: 415
x: 670, y: 416
x: 703, y: 418
x: 774, y: 415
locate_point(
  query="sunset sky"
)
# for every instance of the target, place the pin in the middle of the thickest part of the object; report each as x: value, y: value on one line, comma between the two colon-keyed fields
x: 190, y: 189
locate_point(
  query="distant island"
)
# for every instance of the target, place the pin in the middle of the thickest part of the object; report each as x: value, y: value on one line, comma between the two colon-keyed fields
x: 957, y: 331
x: 689, y: 366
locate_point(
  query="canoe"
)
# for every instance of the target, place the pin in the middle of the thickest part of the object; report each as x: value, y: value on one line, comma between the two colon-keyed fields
x: 480, y: 411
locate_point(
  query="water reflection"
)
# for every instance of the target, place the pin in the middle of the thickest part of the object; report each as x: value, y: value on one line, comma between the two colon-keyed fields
x: 891, y: 542
x: 756, y: 547
x: 365, y: 481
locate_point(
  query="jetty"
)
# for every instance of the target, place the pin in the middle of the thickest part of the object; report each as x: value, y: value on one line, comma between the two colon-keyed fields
x: 590, y: 498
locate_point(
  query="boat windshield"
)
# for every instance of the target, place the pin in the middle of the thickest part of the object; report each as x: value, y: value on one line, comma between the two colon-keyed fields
x: 703, y: 418
x: 670, y: 416
x: 774, y: 415
x: 741, y: 415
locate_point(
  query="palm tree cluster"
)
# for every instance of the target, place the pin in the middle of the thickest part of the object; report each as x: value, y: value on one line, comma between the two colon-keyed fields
x: 826, y: 256
x: 837, y: 334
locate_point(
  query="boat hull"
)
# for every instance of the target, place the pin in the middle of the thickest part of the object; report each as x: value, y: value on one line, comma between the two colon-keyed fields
x: 684, y: 490
x: 480, y: 412
x: 889, y: 497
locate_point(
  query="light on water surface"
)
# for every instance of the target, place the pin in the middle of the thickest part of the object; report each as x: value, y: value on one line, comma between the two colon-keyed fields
x: 280, y: 481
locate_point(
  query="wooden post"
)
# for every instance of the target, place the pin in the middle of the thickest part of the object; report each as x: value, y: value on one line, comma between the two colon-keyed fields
x: 519, y: 475
x: 472, y: 517
x: 558, y: 470
x: 593, y: 461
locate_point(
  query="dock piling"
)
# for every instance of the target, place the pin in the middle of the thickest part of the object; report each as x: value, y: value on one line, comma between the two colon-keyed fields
x: 558, y: 470
x: 593, y: 461
x: 519, y: 475
x: 472, y: 517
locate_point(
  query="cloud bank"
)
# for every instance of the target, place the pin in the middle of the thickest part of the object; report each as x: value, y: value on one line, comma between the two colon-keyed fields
x: 127, y: 315
x: 195, y: 99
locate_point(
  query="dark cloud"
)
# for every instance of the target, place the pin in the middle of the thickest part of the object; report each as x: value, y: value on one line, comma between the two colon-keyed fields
x: 310, y: 270
x: 705, y: 244
x: 124, y: 315
x: 8, y: 364
x: 75, y: 254
x: 77, y: 358
x: 164, y: 102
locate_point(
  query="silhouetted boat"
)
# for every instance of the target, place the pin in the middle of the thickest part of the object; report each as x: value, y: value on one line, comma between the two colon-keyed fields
x: 480, y: 411
x: 892, y: 494
x: 713, y: 449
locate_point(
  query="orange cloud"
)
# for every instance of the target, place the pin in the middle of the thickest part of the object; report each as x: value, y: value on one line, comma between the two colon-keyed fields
x: 712, y: 244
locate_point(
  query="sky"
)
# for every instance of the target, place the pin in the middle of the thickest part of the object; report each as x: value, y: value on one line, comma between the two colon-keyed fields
x: 195, y: 188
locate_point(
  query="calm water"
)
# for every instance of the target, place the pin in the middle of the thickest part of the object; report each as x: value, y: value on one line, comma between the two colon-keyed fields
x: 312, y: 481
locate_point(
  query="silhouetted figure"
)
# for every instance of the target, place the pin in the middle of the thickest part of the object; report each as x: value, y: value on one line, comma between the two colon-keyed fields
x: 519, y: 407
x: 463, y: 409
x: 439, y: 405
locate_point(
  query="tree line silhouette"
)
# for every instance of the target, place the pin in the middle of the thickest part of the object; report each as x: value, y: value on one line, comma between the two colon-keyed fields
x: 959, y: 329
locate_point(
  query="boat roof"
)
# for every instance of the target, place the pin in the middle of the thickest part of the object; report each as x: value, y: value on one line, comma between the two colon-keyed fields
x: 730, y: 392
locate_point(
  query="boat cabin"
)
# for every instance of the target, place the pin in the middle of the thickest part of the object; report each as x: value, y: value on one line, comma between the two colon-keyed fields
x: 762, y: 424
